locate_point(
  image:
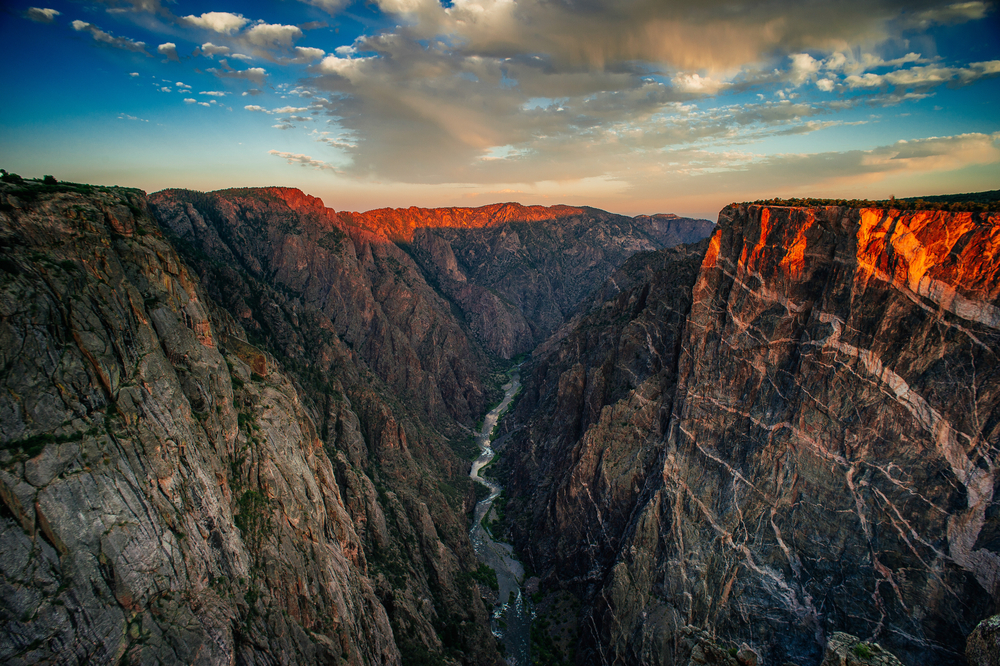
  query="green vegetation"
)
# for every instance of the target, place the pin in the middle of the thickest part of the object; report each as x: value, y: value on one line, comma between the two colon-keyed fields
x: 465, y: 448
x: 973, y: 203
x: 253, y: 518
x: 863, y: 650
x: 33, y: 445
x: 544, y: 651
x: 485, y: 575
x: 499, y: 512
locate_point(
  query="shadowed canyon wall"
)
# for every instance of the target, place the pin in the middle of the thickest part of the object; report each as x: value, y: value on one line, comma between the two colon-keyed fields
x: 174, y: 492
x: 806, y: 445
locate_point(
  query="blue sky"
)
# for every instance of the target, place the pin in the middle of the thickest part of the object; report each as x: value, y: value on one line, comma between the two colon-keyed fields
x: 634, y: 106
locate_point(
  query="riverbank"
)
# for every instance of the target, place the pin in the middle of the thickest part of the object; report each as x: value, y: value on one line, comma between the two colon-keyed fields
x: 511, y: 621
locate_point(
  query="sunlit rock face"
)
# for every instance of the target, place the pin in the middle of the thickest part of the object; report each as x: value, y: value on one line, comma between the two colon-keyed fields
x: 826, y: 461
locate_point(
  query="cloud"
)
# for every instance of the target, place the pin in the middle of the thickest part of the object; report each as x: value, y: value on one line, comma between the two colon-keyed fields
x: 241, y: 57
x: 133, y: 74
x: 285, y: 109
x: 40, y: 15
x: 922, y: 78
x: 266, y: 35
x: 188, y: 100
x: 107, y: 38
x: 305, y: 54
x: 804, y: 66
x: 210, y: 50
x: 303, y: 160
x: 959, y: 12
x: 252, y: 74
x: 125, y: 116
x: 331, y: 6
x: 213, y: 93
x: 221, y: 22
x: 695, y: 83
x: 169, y: 49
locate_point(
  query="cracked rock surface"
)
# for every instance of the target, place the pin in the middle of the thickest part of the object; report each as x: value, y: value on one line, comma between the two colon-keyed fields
x: 818, y: 455
x: 169, y: 492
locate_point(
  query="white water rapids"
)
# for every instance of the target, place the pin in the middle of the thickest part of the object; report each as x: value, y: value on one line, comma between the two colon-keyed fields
x: 512, y: 616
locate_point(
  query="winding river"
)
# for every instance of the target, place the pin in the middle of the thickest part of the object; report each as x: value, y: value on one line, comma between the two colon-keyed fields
x: 512, y: 615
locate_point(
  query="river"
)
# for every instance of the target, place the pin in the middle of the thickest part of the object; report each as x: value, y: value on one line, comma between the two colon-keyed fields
x: 512, y: 615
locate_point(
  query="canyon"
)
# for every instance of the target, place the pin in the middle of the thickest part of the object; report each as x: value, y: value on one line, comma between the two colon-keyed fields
x: 237, y: 427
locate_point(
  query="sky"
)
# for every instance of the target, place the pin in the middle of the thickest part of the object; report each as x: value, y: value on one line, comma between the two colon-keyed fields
x: 633, y: 106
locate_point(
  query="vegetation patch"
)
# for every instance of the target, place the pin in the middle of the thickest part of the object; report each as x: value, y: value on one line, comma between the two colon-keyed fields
x: 980, y: 202
x: 485, y: 575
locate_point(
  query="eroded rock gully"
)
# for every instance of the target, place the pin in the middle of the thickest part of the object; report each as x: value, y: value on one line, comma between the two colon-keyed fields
x: 792, y: 434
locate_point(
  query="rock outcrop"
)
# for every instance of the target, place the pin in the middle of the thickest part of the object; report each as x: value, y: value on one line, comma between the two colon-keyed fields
x: 817, y: 455
x: 982, y: 648
x: 174, y: 490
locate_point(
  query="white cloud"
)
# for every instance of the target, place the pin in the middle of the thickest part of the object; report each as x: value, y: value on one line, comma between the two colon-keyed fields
x: 221, y: 22
x: 180, y: 84
x: 926, y: 77
x: 253, y: 74
x: 241, y: 57
x: 694, y: 83
x: 107, y: 38
x: 267, y: 35
x: 204, y: 104
x: 125, y: 116
x: 804, y: 66
x: 133, y: 74
x: 210, y: 50
x: 213, y: 93
x: 304, y: 54
x: 254, y: 107
x: 826, y: 85
x: 168, y: 49
x: 40, y: 15
x: 303, y: 160
x: 188, y: 100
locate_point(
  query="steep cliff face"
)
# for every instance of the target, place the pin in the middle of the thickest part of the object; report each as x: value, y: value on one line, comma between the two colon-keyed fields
x: 173, y: 493
x: 163, y: 500
x: 351, y: 316
x: 518, y: 280
x: 830, y: 454
x: 355, y: 284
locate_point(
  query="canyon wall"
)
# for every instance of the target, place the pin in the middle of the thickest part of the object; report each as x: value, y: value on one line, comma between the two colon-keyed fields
x: 175, y: 488
x: 808, y: 448
x: 517, y: 281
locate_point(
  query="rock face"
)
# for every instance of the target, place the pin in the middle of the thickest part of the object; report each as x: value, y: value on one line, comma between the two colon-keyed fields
x: 817, y: 455
x: 983, y: 645
x: 171, y: 491
x: 517, y: 280
x: 354, y: 285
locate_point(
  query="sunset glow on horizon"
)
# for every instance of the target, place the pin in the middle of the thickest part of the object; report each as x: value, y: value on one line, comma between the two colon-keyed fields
x: 633, y: 107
